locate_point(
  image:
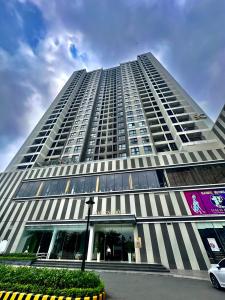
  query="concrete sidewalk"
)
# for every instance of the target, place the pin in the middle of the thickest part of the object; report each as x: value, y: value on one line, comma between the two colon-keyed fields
x: 200, y: 275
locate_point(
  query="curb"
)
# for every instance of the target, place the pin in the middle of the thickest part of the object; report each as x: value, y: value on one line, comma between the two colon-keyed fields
x: 4, y: 295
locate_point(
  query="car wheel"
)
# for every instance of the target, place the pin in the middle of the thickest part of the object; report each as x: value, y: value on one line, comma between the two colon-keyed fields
x: 214, y: 281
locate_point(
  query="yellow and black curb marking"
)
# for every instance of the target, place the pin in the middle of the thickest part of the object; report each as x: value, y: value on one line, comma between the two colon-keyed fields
x: 22, y: 296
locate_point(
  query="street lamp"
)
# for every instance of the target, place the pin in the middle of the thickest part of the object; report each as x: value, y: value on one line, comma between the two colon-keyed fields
x: 90, y: 202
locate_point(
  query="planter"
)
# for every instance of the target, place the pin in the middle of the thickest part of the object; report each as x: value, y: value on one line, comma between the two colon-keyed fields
x: 98, y: 256
x: 12, y: 295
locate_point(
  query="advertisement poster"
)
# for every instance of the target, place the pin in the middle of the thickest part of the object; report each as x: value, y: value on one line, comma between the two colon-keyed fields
x: 213, y: 244
x: 206, y: 202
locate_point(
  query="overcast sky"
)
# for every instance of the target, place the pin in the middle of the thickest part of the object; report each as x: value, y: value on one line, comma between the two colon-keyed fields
x: 43, y: 41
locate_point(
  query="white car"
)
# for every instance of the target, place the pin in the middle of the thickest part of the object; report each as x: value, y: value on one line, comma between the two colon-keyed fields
x: 217, y: 274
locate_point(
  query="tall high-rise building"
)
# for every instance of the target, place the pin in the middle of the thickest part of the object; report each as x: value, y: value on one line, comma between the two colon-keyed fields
x: 132, y: 138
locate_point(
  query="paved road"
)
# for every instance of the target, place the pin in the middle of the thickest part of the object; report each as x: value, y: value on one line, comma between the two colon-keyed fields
x: 124, y: 286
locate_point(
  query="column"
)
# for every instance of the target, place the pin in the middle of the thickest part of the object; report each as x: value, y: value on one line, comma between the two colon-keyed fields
x: 52, y: 243
x: 137, y: 250
x: 90, y: 243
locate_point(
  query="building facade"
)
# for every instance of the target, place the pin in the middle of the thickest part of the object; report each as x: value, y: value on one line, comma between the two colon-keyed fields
x: 132, y: 138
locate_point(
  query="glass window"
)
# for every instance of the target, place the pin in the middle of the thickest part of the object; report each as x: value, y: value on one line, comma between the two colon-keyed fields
x: 141, y: 124
x: 131, y: 125
x: 147, y: 149
x: 152, y: 179
x: 77, y: 185
x: 132, y: 132
x: 135, y: 151
x: 130, y: 119
x: 145, y: 139
x: 80, y: 140
x: 122, y: 154
x: 139, y: 180
x: 77, y: 148
x: 122, y: 146
x: 110, y: 184
x: 143, y: 131
x: 133, y: 141
x: 118, y: 181
x: 90, y: 183
x: 102, y: 183
x: 28, y: 189
x: 121, y: 131
x: 68, y: 149
x: 53, y: 187
x: 71, y: 141
x: 126, y: 181
x: 75, y: 158
x: 140, y: 117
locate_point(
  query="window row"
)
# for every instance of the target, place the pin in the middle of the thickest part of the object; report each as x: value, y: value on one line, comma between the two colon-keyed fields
x: 88, y: 184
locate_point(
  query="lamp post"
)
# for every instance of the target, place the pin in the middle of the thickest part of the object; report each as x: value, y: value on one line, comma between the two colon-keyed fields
x: 90, y: 202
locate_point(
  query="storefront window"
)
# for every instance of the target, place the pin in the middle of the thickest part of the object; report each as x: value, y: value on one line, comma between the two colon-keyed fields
x: 36, y: 241
x: 68, y: 245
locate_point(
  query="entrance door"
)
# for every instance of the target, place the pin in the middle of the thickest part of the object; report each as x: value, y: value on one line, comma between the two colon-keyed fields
x: 114, y: 242
x: 213, y: 237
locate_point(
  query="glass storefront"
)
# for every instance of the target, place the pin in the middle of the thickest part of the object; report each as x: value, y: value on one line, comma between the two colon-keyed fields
x: 54, y: 242
x: 36, y: 241
x: 113, y: 242
x: 68, y: 245
x: 213, y: 237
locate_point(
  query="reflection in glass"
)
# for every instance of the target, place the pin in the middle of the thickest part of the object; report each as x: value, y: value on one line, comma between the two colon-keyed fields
x: 68, y: 245
x: 114, y: 242
x: 28, y: 189
x: 53, y: 187
x: 37, y: 241
x: 118, y: 182
x: 87, y: 184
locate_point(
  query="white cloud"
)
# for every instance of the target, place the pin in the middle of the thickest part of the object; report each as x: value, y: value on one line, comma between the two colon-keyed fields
x: 8, y: 152
x: 38, y: 76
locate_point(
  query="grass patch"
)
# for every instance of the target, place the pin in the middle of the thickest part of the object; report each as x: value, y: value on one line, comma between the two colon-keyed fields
x: 69, y: 283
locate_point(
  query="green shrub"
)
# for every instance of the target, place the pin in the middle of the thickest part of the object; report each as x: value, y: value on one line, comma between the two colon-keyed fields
x: 17, y: 256
x: 70, y: 283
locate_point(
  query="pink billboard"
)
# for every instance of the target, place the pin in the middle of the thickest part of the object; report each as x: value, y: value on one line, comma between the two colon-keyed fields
x: 206, y: 202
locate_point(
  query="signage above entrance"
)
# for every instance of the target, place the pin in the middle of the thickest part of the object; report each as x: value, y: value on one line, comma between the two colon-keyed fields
x: 108, y: 212
x: 116, y: 218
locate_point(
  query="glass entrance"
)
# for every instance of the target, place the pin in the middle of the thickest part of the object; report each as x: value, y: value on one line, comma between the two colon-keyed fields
x: 213, y: 238
x: 114, y: 242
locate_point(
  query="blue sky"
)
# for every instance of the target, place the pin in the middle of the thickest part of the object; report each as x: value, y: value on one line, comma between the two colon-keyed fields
x: 43, y: 42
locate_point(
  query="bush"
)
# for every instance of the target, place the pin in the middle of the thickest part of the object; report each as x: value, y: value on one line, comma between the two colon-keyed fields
x: 69, y: 283
x: 18, y: 256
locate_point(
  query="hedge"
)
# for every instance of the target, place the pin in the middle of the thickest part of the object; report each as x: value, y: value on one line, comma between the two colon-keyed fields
x: 69, y: 283
x: 18, y: 256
